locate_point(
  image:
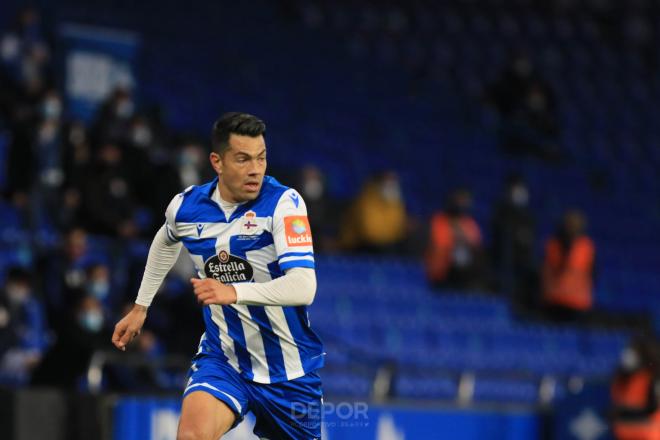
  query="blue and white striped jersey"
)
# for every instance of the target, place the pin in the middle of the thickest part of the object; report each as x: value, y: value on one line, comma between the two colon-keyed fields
x: 257, y: 243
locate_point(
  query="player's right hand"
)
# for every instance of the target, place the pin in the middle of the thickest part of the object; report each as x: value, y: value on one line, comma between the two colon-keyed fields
x: 129, y: 327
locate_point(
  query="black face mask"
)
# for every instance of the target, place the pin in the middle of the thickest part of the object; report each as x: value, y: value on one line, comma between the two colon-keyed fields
x: 565, y: 238
x: 108, y: 167
x: 457, y: 210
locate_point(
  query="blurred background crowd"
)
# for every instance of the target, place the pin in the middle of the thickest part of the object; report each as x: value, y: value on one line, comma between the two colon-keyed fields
x: 481, y: 179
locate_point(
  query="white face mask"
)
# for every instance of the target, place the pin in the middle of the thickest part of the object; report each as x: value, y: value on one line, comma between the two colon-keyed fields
x: 630, y: 360
x: 52, y: 108
x: 313, y: 189
x: 141, y: 136
x: 92, y: 320
x: 519, y: 196
x: 391, y: 191
x: 189, y: 158
x: 99, y: 289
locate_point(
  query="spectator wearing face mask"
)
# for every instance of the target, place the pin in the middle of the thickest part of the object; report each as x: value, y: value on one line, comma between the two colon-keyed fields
x: 65, y: 273
x: 454, y: 257
x: 84, y: 333
x: 192, y: 164
x: 48, y: 153
x: 635, y: 391
x: 567, y: 274
x: 113, y: 120
x: 108, y: 201
x: 99, y: 285
x: 137, y: 379
x: 76, y: 164
x: 320, y: 206
x: 513, y: 243
x: 35, y: 159
x: 377, y: 220
x: 24, y: 51
x: 34, y: 168
x: 23, y: 328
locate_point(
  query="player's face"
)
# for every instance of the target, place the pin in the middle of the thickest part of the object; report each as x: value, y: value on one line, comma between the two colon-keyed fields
x: 241, y: 168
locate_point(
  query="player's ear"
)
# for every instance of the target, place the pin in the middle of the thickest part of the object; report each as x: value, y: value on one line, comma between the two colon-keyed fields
x: 216, y: 162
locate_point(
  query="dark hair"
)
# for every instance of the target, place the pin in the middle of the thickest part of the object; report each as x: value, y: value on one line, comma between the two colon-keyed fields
x: 237, y: 123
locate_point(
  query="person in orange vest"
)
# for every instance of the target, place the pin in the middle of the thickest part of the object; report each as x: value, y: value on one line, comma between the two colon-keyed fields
x: 634, y: 392
x: 567, y: 273
x: 454, y: 257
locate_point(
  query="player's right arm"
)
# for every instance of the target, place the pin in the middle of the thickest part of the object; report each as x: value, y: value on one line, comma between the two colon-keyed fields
x: 163, y: 253
x: 129, y: 326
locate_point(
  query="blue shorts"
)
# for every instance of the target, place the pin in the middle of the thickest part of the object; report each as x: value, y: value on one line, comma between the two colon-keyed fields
x: 284, y: 410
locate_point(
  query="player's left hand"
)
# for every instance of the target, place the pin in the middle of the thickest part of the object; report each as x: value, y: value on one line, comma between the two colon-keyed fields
x: 211, y: 291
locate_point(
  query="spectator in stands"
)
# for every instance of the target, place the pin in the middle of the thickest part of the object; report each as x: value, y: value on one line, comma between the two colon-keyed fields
x: 23, y: 328
x: 35, y: 171
x: 98, y: 284
x: 24, y: 50
x: 77, y: 159
x: 108, y: 199
x: 24, y: 73
x: 192, y: 163
x: 635, y: 393
x: 84, y: 332
x: 513, y: 243
x: 377, y: 219
x: 455, y: 257
x: 320, y: 206
x: 48, y: 159
x: 65, y: 275
x: 21, y: 172
x: 527, y: 110
x: 146, y: 159
x: 113, y: 120
x: 143, y: 378
x: 567, y: 274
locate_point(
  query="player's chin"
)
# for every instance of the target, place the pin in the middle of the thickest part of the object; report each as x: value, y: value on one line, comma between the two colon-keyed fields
x: 251, y: 192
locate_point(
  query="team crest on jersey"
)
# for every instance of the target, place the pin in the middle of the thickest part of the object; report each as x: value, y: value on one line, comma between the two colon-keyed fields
x: 297, y: 230
x: 228, y: 268
x: 249, y: 225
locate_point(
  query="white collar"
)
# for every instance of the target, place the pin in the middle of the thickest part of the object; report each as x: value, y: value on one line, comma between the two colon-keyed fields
x: 227, y: 207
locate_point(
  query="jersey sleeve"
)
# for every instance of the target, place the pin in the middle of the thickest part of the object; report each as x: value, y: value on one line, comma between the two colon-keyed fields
x: 170, y: 217
x: 291, y: 232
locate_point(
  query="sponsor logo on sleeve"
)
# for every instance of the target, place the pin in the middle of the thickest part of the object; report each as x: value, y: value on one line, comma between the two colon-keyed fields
x: 297, y: 231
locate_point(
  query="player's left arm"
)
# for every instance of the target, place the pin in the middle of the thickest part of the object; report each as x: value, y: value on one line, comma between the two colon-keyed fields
x: 296, y: 288
x: 293, y: 243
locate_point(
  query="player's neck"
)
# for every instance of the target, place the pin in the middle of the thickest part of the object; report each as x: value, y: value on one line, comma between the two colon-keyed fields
x: 224, y: 197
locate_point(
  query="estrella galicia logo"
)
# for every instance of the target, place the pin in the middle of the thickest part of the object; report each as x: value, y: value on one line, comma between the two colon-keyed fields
x: 228, y: 268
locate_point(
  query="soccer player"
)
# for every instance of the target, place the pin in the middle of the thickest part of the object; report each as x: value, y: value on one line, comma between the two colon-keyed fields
x: 250, y: 240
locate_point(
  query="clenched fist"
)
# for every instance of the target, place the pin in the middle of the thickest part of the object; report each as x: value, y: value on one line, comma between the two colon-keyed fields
x: 211, y: 291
